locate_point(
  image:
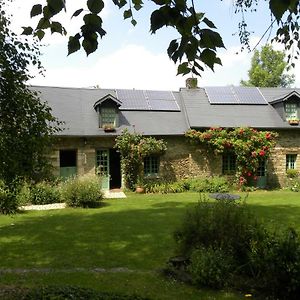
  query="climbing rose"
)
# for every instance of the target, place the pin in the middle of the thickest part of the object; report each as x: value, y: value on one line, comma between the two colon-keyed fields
x: 262, y: 152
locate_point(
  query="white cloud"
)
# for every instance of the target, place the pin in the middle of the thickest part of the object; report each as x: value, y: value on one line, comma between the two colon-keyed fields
x: 134, y: 66
x: 130, y: 67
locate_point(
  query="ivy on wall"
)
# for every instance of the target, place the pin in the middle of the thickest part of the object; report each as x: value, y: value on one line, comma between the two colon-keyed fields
x: 250, y: 146
x: 133, y: 148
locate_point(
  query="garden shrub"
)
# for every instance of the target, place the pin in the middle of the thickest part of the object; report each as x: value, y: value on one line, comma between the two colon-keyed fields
x: 8, y: 203
x: 224, y: 237
x: 210, y: 267
x: 82, y: 191
x: 207, y: 185
x: 214, y: 184
x: 43, y: 193
x: 23, y: 195
x: 221, y: 224
x: 291, y: 173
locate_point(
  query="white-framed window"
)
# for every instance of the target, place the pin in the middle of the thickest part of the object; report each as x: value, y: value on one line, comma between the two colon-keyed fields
x: 291, y: 161
x: 151, y: 165
x: 291, y: 112
x: 228, y: 164
x: 108, y: 116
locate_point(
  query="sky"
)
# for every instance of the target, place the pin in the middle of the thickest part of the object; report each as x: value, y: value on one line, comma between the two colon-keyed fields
x: 131, y: 58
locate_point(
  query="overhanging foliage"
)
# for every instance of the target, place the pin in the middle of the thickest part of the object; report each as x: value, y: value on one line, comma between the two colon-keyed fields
x: 198, y: 41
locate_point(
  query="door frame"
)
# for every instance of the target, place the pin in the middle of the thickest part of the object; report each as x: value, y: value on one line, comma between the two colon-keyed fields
x: 108, y: 167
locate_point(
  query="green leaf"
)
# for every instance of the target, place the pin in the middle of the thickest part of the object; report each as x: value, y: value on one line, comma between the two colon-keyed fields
x: 40, y: 34
x: 172, y: 47
x: 56, y: 27
x: 209, y: 58
x: 209, y: 23
x: 73, y: 44
x: 133, y: 22
x: 127, y: 14
x: 90, y: 44
x: 55, y: 6
x: 77, y: 12
x: 95, y: 6
x: 36, y: 10
x: 157, y: 20
x: 210, y: 39
x: 93, y: 22
x: 43, y: 24
x: 183, y: 69
x: 279, y: 7
x: 27, y: 30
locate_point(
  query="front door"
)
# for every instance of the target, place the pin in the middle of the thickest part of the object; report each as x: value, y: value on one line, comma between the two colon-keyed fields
x: 261, y: 175
x: 103, y: 167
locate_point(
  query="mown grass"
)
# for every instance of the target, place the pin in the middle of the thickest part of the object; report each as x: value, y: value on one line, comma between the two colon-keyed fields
x: 133, y: 233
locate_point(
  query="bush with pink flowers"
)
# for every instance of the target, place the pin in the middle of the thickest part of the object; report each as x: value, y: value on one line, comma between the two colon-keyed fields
x: 250, y: 146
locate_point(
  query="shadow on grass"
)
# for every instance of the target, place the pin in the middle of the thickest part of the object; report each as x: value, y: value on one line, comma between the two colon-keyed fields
x: 135, y: 239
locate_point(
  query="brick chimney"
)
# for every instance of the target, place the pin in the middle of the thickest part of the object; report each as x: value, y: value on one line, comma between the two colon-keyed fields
x: 191, y: 83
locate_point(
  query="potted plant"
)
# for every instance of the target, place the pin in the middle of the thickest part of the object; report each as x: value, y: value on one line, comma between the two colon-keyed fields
x: 294, y: 121
x: 139, y: 188
x: 109, y: 127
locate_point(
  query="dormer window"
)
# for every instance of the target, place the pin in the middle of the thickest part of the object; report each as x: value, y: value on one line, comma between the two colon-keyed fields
x: 108, y: 116
x: 291, y: 111
x: 108, y: 110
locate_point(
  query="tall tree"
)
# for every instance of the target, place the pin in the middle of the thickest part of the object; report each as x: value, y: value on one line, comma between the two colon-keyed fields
x: 198, y: 41
x: 267, y: 69
x: 26, y: 124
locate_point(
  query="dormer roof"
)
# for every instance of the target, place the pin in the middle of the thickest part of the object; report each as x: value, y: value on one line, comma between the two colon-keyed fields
x: 285, y: 97
x: 107, y: 98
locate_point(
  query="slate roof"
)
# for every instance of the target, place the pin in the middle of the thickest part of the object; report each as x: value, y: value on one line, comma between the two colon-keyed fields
x: 75, y: 106
x: 201, y: 114
x: 173, y: 113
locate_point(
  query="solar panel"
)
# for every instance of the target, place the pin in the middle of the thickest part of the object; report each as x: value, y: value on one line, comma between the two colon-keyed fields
x: 160, y: 95
x: 249, y: 95
x: 147, y: 100
x: 132, y: 99
x: 221, y: 95
x: 235, y: 95
x: 164, y: 105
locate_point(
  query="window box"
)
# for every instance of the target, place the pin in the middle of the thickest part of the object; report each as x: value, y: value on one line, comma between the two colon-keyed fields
x: 293, y: 122
x: 109, y: 128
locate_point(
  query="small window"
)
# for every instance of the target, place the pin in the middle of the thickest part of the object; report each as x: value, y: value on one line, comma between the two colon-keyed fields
x: 291, y: 161
x: 229, y: 164
x: 291, y: 111
x: 151, y: 166
x: 108, y: 116
x: 261, y: 170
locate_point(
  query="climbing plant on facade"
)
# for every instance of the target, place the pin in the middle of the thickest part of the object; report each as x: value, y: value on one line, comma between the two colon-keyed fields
x: 133, y: 148
x: 250, y: 146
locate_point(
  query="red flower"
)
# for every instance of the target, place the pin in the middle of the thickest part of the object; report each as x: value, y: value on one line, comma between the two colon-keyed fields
x: 262, y: 152
x: 255, y: 177
x: 253, y: 154
x: 268, y: 135
x: 241, y: 131
x: 249, y: 174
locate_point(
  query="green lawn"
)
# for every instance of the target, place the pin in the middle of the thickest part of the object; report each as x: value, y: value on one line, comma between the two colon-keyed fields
x: 69, y: 246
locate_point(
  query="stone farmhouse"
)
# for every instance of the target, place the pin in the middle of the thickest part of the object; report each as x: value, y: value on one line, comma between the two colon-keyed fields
x: 94, y: 117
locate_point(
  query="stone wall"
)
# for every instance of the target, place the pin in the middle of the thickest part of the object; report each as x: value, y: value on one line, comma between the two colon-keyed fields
x: 86, y: 152
x: 288, y: 142
x: 182, y: 160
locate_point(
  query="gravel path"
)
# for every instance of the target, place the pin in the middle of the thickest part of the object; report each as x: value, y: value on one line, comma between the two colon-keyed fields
x: 43, y: 207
